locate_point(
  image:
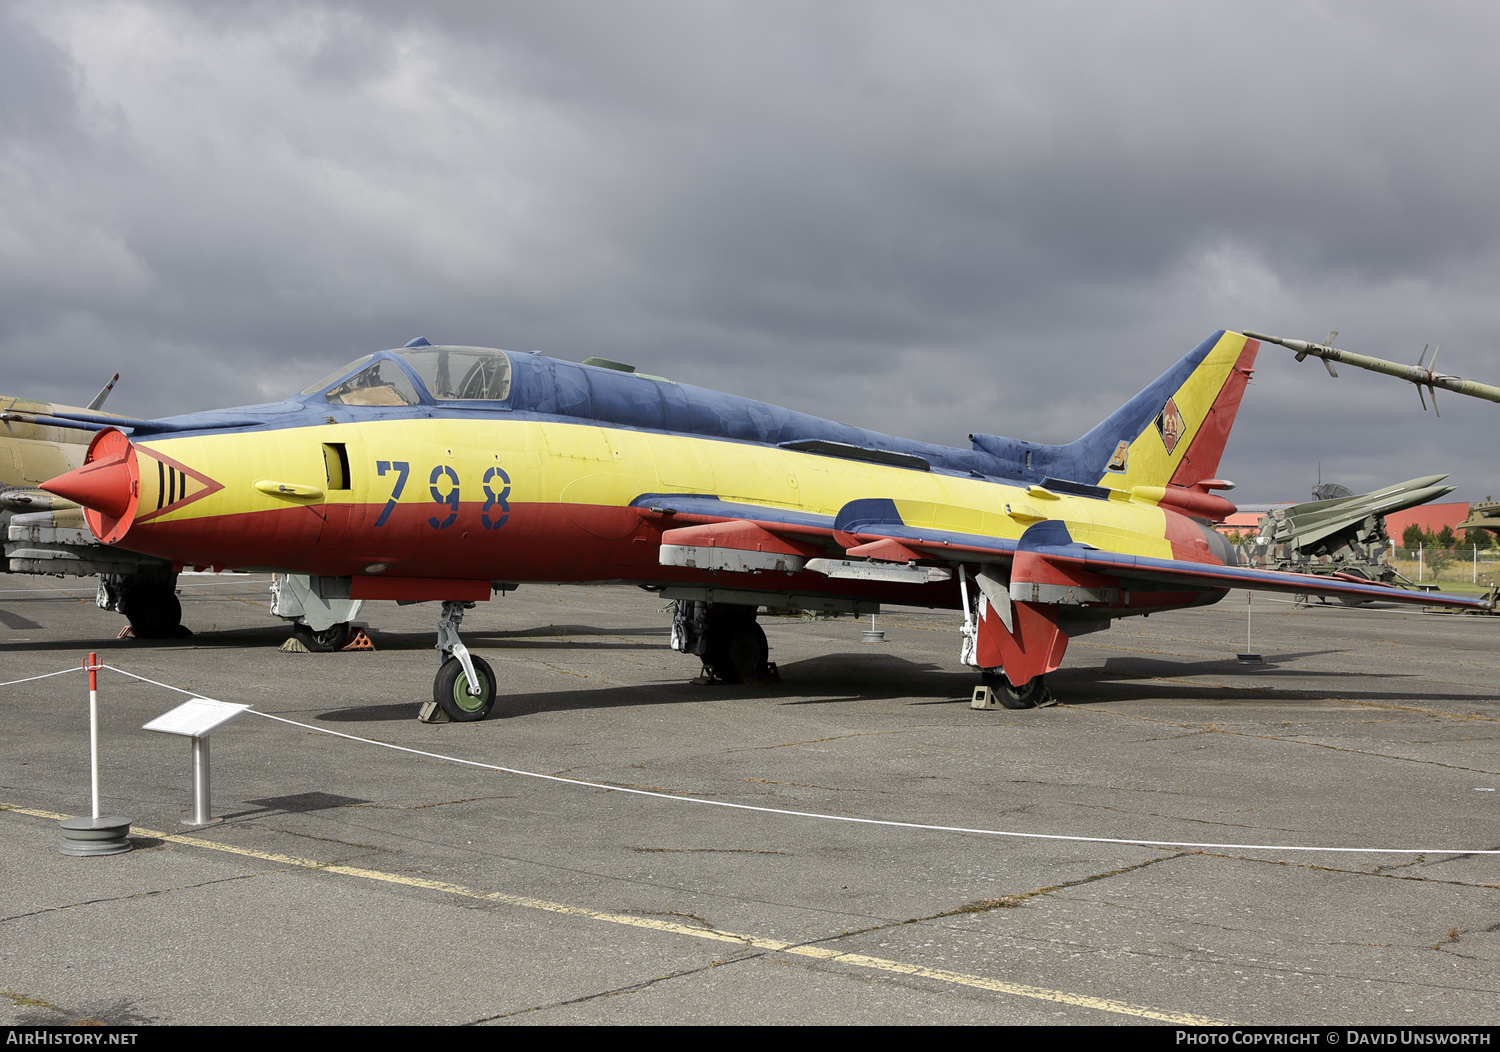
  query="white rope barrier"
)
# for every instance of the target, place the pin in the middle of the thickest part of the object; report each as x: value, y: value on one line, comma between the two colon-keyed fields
x: 889, y: 823
x: 45, y: 675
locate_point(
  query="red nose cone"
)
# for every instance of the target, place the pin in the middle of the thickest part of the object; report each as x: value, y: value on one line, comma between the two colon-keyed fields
x: 107, y: 485
x: 103, y: 486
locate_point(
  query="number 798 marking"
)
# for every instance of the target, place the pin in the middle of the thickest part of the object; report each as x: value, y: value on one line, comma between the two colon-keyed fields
x: 403, y: 469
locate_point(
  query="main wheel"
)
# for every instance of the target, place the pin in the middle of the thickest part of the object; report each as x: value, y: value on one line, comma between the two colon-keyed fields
x: 451, y: 690
x: 1026, y: 696
x: 737, y: 650
x: 330, y: 639
x: 153, y: 610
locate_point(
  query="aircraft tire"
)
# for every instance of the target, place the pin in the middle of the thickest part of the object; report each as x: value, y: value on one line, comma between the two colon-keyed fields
x: 737, y: 651
x: 1026, y: 696
x: 153, y: 610
x: 324, y: 642
x: 451, y: 690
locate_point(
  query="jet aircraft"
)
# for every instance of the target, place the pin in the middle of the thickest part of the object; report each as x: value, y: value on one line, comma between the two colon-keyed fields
x: 446, y: 472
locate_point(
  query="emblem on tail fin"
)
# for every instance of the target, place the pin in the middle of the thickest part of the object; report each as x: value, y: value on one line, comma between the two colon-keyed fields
x: 1121, y: 457
x: 1169, y: 425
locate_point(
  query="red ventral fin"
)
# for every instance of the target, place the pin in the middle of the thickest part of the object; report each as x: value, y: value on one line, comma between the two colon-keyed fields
x: 887, y: 550
x: 1034, y: 647
x: 740, y: 536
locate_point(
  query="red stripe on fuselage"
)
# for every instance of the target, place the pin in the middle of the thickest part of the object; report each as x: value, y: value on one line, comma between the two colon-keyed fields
x: 538, y: 542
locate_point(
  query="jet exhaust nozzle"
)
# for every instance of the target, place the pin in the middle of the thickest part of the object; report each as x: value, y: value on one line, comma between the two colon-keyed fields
x: 107, y: 485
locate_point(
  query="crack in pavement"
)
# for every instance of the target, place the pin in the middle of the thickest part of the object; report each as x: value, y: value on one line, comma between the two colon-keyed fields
x: 140, y: 895
x: 1377, y: 872
x: 1215, y: 729
x: 618, y: 991
x: 1184, y: 818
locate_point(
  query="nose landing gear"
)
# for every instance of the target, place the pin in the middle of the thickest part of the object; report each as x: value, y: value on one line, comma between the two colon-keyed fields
x: 465, y: 685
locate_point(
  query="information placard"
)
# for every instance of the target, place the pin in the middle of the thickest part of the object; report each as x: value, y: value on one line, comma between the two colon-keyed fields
x: 196, y: 718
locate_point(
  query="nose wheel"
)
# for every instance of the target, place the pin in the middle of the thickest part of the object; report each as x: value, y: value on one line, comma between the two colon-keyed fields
x: 465, y: 685
x: 452, y: 689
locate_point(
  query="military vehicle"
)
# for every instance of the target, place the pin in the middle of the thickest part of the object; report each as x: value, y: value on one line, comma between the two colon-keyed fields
x: 1342, y: 534
x: 1483, y: 515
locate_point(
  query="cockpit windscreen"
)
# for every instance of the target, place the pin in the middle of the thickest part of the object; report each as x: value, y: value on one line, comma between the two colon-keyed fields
x: 383, y: 383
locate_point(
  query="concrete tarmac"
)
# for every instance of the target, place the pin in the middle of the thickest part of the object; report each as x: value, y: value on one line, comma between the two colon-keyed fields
x: 350, y: 883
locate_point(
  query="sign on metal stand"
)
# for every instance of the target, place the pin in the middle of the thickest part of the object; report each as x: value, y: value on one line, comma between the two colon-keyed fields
x: 196, y: 719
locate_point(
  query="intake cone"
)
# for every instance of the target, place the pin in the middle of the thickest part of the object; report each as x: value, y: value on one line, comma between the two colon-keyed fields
x: 108, y: 485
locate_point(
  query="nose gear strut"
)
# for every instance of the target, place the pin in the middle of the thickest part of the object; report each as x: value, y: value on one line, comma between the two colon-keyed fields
x: 464, y: 688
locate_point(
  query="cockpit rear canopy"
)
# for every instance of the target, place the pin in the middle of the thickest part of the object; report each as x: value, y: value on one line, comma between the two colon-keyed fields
x: 450, y: 374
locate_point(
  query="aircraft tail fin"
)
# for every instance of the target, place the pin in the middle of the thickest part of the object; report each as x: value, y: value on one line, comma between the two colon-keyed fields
x: 1172, y: 433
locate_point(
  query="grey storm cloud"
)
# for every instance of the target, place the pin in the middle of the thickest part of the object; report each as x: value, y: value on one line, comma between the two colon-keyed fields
x: 928, y: 219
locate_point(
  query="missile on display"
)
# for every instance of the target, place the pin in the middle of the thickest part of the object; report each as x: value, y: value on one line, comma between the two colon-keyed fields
x: 1319, y: 526
x: 1419, y: 374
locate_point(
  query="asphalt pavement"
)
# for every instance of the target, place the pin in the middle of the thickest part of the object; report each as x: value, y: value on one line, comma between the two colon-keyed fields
x: 352, y: 883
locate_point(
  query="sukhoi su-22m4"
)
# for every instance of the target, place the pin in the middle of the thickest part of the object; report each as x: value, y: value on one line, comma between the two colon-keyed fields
x: 442, y: 473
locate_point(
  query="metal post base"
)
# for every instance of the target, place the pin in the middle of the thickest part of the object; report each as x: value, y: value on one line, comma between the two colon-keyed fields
x: 95, y: 836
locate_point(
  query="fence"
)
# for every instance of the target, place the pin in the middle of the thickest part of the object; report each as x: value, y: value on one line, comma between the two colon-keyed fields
x: 1459, y: 563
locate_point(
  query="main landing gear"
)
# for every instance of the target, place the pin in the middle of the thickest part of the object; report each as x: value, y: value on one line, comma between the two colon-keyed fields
x: 1026, y: 696
x: 148, y: 599
x: 465, y: 684
x: 334, y: 637
x: 728, y: 639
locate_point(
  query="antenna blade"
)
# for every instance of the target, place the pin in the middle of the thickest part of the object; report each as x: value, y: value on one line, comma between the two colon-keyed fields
x: 103, y: 394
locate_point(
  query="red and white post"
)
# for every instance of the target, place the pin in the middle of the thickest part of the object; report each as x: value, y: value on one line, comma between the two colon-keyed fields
x: 92, y: 665
x: 96, y: 835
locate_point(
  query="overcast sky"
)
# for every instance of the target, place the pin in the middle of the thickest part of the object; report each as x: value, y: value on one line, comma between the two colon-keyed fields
x: 928, y: 219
